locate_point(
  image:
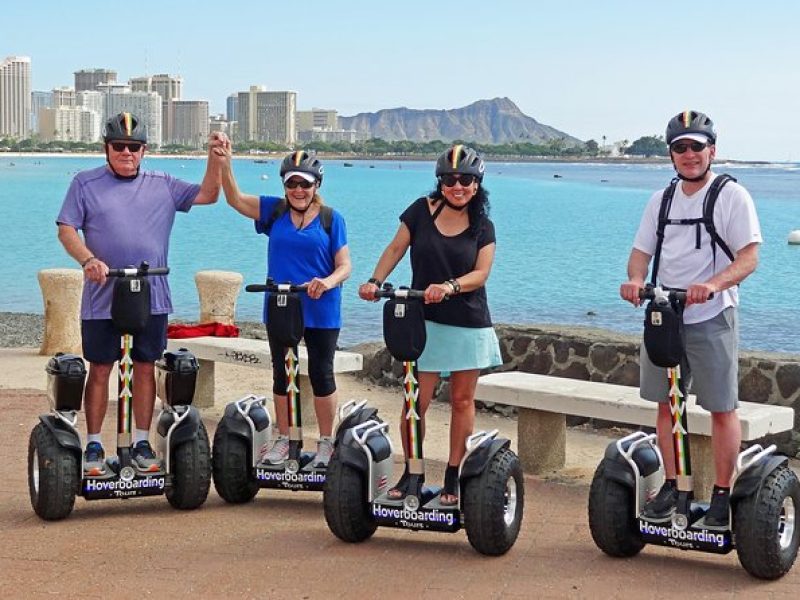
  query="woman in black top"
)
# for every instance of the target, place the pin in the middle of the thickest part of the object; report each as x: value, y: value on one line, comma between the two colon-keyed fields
x: 452, y: 249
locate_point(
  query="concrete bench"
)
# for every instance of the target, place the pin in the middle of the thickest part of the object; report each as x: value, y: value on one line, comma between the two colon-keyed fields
x: 543, y: 401
x: 253, y: 353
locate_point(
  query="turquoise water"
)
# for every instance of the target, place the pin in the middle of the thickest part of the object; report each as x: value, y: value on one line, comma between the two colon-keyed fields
x: 562, y: 249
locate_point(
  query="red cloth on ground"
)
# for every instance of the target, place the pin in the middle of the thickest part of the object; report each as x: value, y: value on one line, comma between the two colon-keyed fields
x: 178, y: 331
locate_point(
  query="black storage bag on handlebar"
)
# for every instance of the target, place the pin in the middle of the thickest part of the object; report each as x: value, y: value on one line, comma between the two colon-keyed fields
x: 404, y: 328
x: 663, y: 332
x: 285, y: 319
x: 130, y: 306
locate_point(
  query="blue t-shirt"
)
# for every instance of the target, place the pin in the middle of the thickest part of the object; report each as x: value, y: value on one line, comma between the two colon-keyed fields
x: 125, y: 222
x: 298, y: 255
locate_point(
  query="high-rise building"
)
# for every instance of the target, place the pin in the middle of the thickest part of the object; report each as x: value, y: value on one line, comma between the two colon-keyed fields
x: 92, y: 100
x: 232, y: 106
x: 317, y: 118
x: 145, y: 105
x: 39, y: 100
x: 64, y: 97
x: 88, y: 79
x: 267, y: 116
x: 190, y: 123
x: 68, y: 124
x: 15, y: 96
x: 170, y: 88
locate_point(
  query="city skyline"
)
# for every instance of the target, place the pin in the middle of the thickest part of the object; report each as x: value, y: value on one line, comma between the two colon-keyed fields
x: 617, y: 71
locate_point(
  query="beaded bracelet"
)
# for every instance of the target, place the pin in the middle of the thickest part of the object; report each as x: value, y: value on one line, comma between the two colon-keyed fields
x: 455, y: 285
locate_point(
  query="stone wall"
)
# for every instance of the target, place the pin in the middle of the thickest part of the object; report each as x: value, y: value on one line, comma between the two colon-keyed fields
x: 600, y: 355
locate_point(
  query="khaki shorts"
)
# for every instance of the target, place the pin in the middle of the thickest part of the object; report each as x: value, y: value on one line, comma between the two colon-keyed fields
x: 712, y: 351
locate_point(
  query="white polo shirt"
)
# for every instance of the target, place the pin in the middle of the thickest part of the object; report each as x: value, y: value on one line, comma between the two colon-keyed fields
x: 682, y: 264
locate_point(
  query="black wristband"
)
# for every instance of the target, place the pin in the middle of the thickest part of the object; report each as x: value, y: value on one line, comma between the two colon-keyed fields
x: 374, y: 281
x: 88, y: 260
x: 455, y: 285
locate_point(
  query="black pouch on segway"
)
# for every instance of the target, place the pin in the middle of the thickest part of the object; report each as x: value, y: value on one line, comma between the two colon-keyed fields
x: 404, y: 328
x: 663, y: 333
x: 285, y: 319
x: 176, y: 377
x: 130, y: 308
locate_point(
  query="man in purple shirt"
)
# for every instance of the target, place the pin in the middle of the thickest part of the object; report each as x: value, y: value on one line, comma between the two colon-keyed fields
x: 126, y: 216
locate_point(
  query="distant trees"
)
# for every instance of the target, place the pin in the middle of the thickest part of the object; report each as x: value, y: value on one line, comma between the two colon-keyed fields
x: 653, y: 145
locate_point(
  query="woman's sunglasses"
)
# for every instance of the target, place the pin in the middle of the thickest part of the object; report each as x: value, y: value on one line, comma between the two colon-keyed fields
x: 681, y: 147
x: 450, y: 180
x: 301, y: 183
x: 134, y: 147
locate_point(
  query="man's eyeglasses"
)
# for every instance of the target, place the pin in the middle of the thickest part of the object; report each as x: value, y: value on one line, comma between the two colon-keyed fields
x: 301, y: 183
x: 681, y: 147
x: 450, y: 180
x: 134, y: 147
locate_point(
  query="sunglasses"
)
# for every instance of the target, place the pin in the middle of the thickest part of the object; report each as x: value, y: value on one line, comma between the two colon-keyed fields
x: 451, y: 180
x: 681, y: 147
x: 301, y: 183
x: 134, y: 147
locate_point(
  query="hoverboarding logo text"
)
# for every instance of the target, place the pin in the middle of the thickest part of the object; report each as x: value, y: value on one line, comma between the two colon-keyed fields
x: 686, y: 535
x: 121, y: 487
x: 433, y: 515
x: 286, y: 477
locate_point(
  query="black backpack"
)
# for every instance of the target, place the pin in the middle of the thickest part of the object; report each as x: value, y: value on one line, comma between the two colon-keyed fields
x: 707, y: 220
x: 325, y: 216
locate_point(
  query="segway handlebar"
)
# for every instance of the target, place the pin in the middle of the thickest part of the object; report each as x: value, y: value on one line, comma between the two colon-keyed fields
x: 143, y: 270
x: 272, y: 287
x: 650, y: 292
x: 390, y: 292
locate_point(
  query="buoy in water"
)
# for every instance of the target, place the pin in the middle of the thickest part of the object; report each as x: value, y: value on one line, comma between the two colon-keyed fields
x: 794, y: 237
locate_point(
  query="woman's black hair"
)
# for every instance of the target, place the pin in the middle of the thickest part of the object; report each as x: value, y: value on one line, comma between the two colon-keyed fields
x: 477, y: 209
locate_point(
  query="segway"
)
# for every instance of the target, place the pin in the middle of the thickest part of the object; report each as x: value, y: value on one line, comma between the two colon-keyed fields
x: 764, y: 497
x: 55, y: 451
x: 355, y: 496
x: 244, y: 433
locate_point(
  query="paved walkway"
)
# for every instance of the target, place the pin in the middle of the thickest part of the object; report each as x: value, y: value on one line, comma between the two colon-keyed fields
x: 279, y: 546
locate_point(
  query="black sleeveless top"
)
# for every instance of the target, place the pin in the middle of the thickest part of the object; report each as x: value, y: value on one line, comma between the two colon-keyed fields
x: 435, y: 258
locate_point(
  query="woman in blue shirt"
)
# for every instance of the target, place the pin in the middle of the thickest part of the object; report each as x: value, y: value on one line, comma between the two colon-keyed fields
x: 307, y: 244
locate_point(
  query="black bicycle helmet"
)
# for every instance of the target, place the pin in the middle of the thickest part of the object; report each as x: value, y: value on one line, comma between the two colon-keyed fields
x: 460, y: 159
x: 125, y: 127
x: 690, y: 121
x: 302, y: 162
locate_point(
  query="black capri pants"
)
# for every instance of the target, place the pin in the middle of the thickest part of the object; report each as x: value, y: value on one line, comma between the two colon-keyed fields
x: 321, y: 346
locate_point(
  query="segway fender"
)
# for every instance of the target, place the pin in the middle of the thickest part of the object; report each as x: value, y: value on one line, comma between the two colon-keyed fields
x: 236, y: 424
x: 618, y: 471
x: 476, y: 462
x: 750, y: 481
x: 353, y: 457
x: 66, y: 437
x: 187, y: 430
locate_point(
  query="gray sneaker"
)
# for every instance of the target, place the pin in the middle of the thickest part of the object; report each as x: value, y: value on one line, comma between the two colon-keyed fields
x: 324, y: 452
x: 94, y: 459
x: 143, y: 457
x: 279, y: 451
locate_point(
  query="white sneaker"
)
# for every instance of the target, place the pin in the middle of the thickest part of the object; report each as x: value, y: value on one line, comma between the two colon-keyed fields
x: 279, y: 451
x: 324, y: 451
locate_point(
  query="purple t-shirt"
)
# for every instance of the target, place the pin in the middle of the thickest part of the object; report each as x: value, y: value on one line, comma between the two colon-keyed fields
x: 125, y: 222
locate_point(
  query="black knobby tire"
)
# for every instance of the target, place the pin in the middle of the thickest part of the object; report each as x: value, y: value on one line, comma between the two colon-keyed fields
x: 344, y: 498
x: 230, y: 461
x: 759, y: 521
x: 493, y: 504
x: 59, y: 477
x: 611, y: 516
x: 191, y: 472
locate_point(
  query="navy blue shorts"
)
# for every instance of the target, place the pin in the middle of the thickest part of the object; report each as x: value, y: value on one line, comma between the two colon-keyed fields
x: 101, y: 341
x: 321, y: 346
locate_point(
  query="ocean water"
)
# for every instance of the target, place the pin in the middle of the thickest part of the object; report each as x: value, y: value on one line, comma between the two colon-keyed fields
x: 562, y: 242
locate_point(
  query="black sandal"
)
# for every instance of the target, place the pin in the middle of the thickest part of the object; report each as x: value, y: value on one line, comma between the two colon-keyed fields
x: 399, y: 489
x: 451, y: 487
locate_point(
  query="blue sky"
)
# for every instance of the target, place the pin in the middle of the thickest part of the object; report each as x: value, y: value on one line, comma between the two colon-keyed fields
x: 616, y: 68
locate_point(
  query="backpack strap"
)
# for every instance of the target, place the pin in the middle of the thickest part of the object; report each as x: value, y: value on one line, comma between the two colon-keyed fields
x: 663, y: 213
x: 708, y: 216
x: 280, y: 208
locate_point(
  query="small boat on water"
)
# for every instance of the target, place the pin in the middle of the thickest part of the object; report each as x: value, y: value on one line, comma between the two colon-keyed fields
x: 348, y: 164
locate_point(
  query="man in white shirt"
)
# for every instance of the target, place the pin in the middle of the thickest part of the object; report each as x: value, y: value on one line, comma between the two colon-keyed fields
x: 690, y: 260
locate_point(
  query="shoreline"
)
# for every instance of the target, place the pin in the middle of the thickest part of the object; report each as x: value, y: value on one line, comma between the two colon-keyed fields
x: 609, y: 160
